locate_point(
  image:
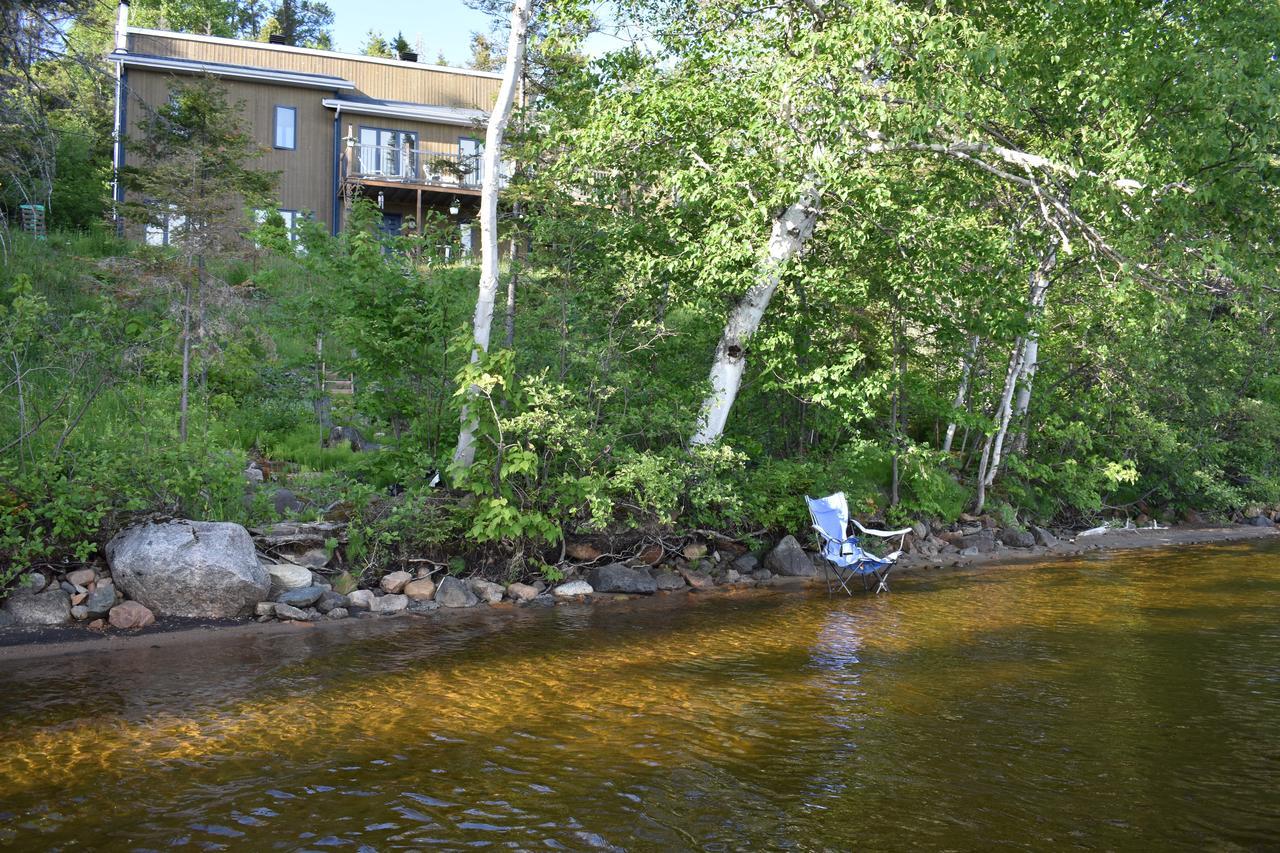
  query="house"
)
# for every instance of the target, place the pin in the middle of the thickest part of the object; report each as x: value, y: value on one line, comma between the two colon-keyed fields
x: 335, y: 126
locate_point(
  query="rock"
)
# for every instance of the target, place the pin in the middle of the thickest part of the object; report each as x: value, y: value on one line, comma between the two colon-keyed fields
x: 789, y: 560
x: 668, y: 581
x: 340, y: 435
x: 423, y: 589
x: 338, y: 613
x: 730, y: 577
x: 618, y: 577
x: 313, y: 558
x: 131, y: 614
x: 345, y: 583
x: 285, y: 501
x: 694, y: 551
x: 34, y: 581
x: 540, y: 585
x: 969, y: 552
x: 6, y: 619
x: 392, y: 603
x: 102, y: 599
x: 984, y: 540
x: 452, y: 592
x: 1043, y: 537
x: 580, y: 550
x: 97, y: 625
x: 395, y: 582
x: 651, y: 555
x: 79, y: 612
x: 189, y: 568
x: 265, y: 608
x: 521, y: 592
x: 1261, y: 521
x: 1017, y: 538
x: 70, y: 588
x: 253, y: 474
x: 286, y: 576
x: 50, y: 607
x: 920, y: 530
x: 696, y: 578
x: 287, y: 611
x: 488, y: 592
x: 79, y: 598
x: 746, y: 564
x: 362, y: 599
x: 761, y: 574
x: 423, y: 606
x: 572, y: 589
x: 303, y: 597
x: 331, y: 600
x: 82, y: 577
x: 1193, y: 518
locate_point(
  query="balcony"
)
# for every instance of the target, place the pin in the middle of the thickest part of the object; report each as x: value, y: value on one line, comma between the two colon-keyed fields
x: 422, y: 167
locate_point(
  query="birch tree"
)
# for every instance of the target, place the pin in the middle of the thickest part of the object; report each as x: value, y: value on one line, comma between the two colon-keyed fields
x: 500, y: 116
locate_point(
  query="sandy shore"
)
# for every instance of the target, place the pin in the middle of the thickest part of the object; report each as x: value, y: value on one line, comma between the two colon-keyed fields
x: 22, y: 644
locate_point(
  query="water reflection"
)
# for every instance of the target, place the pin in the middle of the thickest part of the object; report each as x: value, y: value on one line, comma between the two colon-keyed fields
x: 1113, y: 702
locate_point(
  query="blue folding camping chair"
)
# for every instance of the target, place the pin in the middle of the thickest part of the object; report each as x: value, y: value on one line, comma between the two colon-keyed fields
x: 830, y: 517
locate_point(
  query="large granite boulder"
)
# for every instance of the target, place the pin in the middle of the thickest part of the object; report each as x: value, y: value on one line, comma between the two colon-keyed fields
x: 452, y: 592
x: 618, y: 577
x: 198, y: 569
x: 789, y: 560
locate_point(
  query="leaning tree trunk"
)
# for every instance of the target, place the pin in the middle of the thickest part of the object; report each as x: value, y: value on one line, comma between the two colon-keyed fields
x: 491, y: 163
x: 791, y: 231
x: 966, y: 367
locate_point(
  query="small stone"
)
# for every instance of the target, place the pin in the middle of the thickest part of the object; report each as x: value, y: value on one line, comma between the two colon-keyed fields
x: 102, y: 599
x: 252, y: 475
x: 286, y: 576
x: 1017, y: 538
x: 79, y: 598
x: 395, y: 582
x: 264, y: 608
x: 304, y: 597
x: 82, y: 577
x: 572, y: 589
x: 920, y: 530
x: 1043, y: 537
x: 361, y: 599
x: 70, y: 588
x: 392, y: 603
x: 521, y: 592
x: 668, y: 581
x: 423, y: 589
x: 621, y: 578
x: 49, y: 607
x: 345, y: 583
x: 731, y: 576
x: 761, y: 574
x: 540, y: 585
x: 487, y: 591
x: 971, y: 551
x: 131, y: 614
x: 1261, y: 521
x: 338, y: 613
x: 288, y: 611
x: 423, y: 607
x: 452, y: 592
x: 79, y: 612
x: 331, y: 600
x: 34, y: 582
x: 97, y: 624
x: 696, y: 578
x: 315, y: 558
x: 790, y: 560
x: 746, y: 564
x: 694, y: 550
x: 285, y: 501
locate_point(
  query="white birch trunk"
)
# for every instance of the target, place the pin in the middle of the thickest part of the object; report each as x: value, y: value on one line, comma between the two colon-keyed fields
x: 1029, y: 352
x: 962, y: 393
x: 490, y: 176
x: 791, y: 230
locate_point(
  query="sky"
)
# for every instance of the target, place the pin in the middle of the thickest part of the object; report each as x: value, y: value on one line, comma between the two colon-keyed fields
x: 443, y: 25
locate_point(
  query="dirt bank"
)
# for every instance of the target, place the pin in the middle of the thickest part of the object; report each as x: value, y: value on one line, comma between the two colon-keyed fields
x: 17, y: 644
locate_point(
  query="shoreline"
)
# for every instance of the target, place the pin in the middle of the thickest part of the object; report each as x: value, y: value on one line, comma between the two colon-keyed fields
x: 27, y: 644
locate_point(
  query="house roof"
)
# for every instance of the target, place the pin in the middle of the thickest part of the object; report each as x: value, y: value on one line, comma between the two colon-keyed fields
x: 240, y: 72
x: 403, y: 109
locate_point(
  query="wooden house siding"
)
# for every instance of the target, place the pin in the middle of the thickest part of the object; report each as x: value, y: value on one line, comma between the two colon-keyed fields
x: 395, y: 81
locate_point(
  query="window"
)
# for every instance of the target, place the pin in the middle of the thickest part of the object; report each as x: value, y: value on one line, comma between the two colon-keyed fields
x: 165, y: 231
x: 292, y: 219
x: 390, y: 153
x: 286, y: 127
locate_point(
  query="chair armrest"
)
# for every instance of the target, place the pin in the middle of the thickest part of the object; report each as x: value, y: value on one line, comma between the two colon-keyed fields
x: 883, y: 534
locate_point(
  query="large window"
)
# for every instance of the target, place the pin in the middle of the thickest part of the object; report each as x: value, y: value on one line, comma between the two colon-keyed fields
x: 286, y: 135
x: 165, y: 231
x: 388, y: 153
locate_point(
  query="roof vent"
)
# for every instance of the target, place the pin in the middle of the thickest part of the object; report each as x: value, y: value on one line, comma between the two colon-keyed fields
x: 276, y: 38
x: 409, y: 56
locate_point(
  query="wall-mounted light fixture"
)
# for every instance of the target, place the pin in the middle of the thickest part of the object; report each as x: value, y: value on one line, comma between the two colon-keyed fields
x: 454, y: 206
x: 381, y: 201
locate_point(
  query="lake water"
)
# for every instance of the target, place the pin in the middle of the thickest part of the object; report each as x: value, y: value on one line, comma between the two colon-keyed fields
x: 1121, y: 701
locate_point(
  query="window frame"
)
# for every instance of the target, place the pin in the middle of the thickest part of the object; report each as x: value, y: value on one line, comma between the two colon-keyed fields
x: 275, y: 127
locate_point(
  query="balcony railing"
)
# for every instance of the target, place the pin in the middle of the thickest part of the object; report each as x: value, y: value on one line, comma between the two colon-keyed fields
x: 420, y: 166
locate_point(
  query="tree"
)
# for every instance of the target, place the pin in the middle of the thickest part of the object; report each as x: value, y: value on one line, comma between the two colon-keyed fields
x: 400, y: 46
x: 376, y: 45
x: 302, y: 23
x: 464, y: 455
x: 194, y: 179
x: 484, y: 54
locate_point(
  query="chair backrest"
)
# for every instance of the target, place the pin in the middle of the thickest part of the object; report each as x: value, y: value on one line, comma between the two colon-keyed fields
x: 831, y: 514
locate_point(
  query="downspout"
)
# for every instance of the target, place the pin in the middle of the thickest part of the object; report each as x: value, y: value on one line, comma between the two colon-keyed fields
x: 337, y: 153
x: 118, y: 127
